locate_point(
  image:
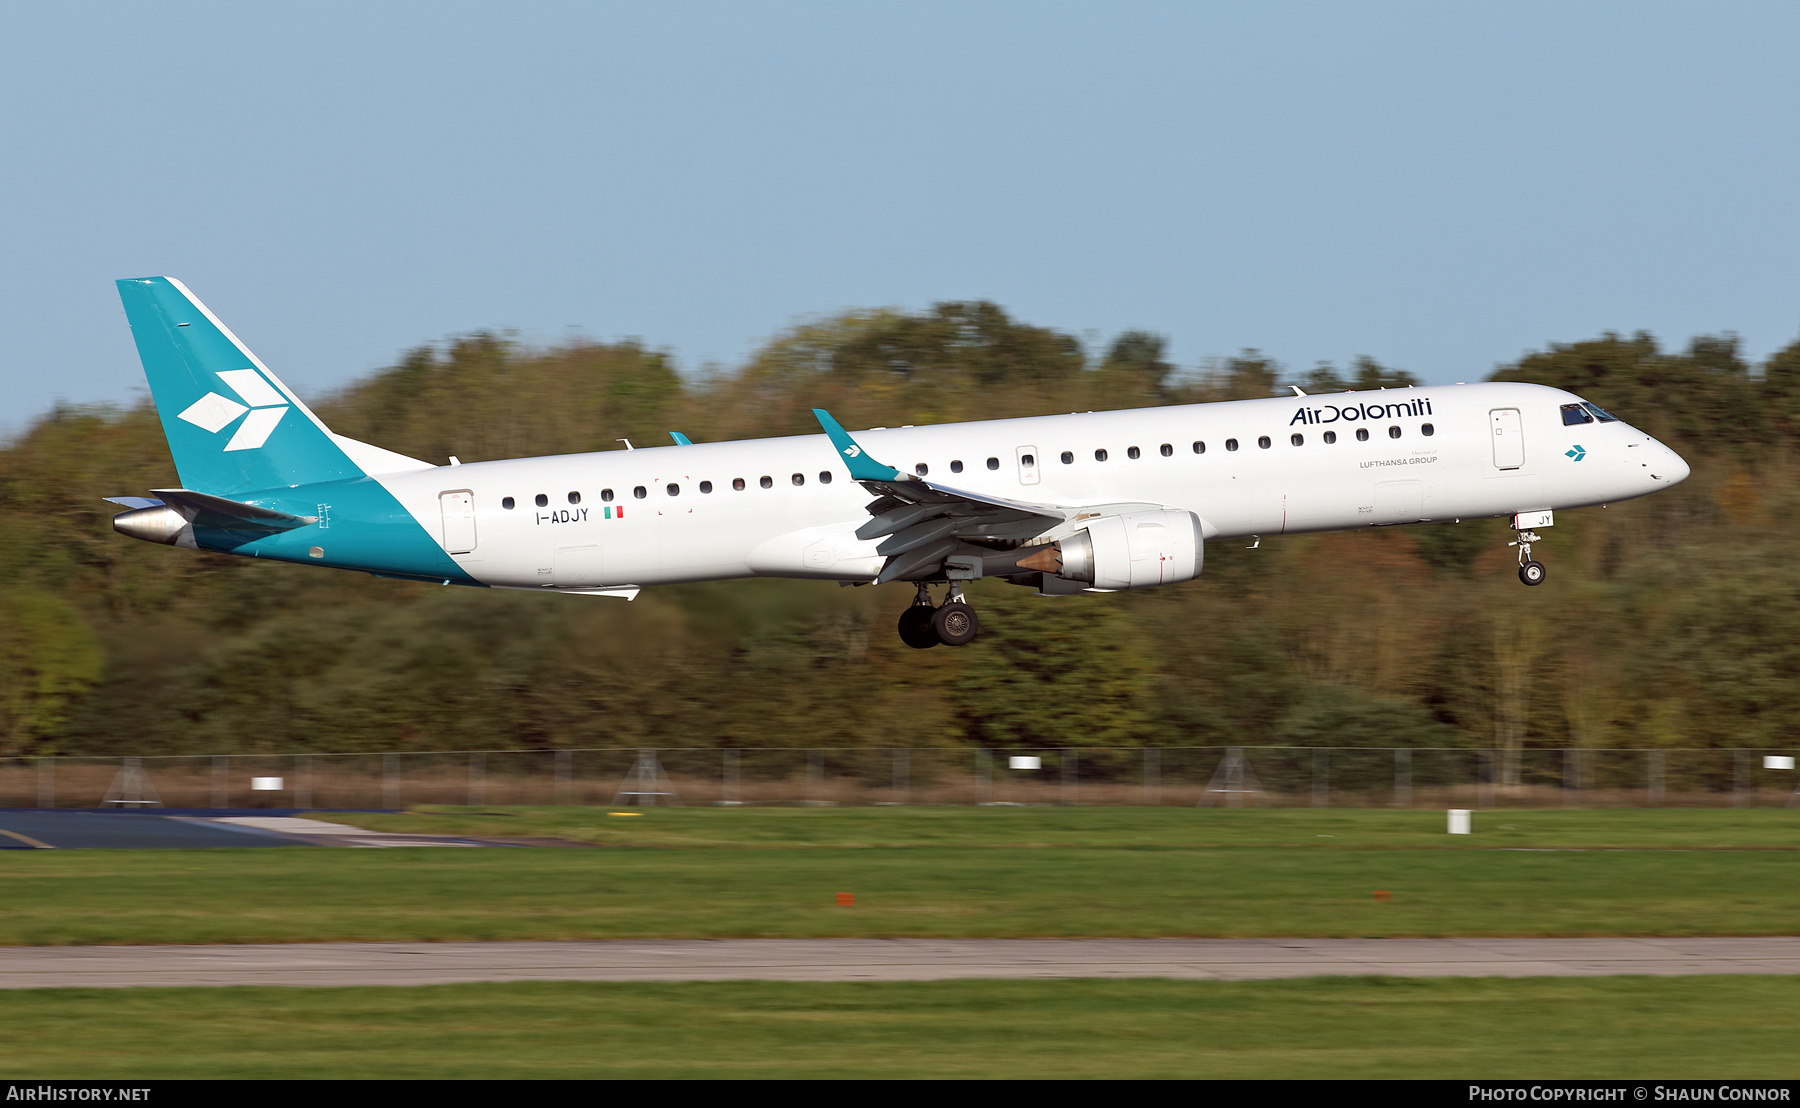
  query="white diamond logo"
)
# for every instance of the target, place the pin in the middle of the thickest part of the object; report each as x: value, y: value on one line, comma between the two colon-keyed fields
x: 255, y: 429
x: 212, y: 412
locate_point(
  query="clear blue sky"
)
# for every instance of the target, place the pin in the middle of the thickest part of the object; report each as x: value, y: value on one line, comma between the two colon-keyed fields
x: 1439, y: 186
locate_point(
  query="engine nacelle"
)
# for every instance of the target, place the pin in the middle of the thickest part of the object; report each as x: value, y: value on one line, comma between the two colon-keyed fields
x: 1136, y: 551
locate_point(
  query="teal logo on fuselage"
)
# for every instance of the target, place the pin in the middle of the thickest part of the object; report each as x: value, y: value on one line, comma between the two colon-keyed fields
x: 1578, y: 453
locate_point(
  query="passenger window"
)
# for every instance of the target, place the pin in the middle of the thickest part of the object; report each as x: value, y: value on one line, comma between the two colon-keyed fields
x: 1132, y: 452
x: 1297, y: 440
x: 1231, y: 444
x: 824, y: 477
x: 640, y: 492
x: 767, y: 482
x: 1427, y: 430
x: 674, y: 489
x: 921, y: 469
x: 542, y: 501
x: 1168, y: 451
x: 606, y: 496
x: 993, y: 463
x: 1362, y: 434
x: 1027, y: 460
x: 1393, y: 432
x: 574, y: 498
x: 1574, y: 415
x: 955, y: 467
x: 1099, y: 455
x: 1068, y: 457
x: 1330, y: 437
x: 507, y: 503
x: 1199, y: 447
x: 1262, y: 441
x: 799, y: 479
x: 706, y: 486
x: 1600, y: 414
x: 737, y: 484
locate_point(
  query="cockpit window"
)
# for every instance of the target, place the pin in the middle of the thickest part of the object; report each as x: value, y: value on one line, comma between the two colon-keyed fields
x: 1574, y: 415
x: 1599, y: 413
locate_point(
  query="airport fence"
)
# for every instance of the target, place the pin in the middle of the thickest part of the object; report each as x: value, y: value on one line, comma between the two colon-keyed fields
x: 1227, y: 776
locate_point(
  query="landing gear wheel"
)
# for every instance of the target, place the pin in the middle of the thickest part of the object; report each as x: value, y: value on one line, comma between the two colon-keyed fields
x: 916, y: 630
x: 955, y: 623
x: 1532, y: 573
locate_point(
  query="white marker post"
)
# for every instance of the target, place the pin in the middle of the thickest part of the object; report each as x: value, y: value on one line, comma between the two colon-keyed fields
x: 265, y: 784
x: 1783, y: 761
x: 1459, y: 821
x: 1019, y: 761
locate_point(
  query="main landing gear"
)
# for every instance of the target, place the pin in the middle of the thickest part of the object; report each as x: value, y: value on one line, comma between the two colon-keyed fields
x: 952, y: 623
x: 1531, y: 571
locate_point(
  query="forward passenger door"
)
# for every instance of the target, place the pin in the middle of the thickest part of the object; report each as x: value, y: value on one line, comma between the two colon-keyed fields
x: 1509, y: 438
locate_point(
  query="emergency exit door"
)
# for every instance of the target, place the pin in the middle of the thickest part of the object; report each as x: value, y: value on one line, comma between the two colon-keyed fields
x: 1509, y: 438
x: 1028, y: 464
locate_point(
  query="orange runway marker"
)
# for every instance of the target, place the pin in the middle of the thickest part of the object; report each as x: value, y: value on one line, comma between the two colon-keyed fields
x: 846, y: 900
x: 1383, y: 894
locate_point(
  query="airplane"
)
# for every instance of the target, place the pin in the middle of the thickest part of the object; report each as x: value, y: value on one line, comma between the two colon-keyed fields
x: 1088, y: 502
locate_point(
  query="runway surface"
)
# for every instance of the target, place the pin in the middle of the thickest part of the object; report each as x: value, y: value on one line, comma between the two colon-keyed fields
x: 37, y: 829
x: 53, y: 830
x: 882, y: 960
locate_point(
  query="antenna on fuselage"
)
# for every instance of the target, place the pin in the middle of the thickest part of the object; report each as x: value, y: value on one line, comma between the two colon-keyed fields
x: 627, y: 443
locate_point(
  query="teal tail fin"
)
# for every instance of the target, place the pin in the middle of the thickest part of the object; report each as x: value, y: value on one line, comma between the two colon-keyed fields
x: 232, y: 426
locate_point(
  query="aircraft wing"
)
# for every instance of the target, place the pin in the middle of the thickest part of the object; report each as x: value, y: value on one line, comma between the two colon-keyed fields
x: 926, y: 523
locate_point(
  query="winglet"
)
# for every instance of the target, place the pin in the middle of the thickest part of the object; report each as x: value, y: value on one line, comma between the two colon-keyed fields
x: 681, y: 439
x: 862, y: 467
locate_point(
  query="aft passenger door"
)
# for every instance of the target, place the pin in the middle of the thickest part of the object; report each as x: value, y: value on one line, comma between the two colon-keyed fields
x: 459, y: 521
x: 1509, y: 438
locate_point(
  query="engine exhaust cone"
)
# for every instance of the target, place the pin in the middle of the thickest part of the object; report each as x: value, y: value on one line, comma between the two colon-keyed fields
x: 158, y: 523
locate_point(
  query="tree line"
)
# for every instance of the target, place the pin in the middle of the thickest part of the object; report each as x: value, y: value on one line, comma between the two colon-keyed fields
x: 1669, y: 621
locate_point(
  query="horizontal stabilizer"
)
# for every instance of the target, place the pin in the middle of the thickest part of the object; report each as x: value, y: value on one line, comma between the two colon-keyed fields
x: 230, y: 515
x: 133, y: 501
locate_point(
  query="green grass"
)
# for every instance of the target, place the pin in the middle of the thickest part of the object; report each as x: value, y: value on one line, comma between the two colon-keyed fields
x: 1540, y: 1028
x: 1707, y: 828
x: 945, y: 873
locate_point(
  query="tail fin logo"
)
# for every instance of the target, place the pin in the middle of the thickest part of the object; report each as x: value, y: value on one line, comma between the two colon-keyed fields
x: 214, y: 413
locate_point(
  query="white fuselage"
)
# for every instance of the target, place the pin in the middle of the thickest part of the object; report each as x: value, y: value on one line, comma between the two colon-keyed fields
x: 786, y: 507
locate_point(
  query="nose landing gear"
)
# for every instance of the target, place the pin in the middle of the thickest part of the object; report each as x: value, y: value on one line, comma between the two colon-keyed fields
x: 952, y: 623
x: 1531, y: 571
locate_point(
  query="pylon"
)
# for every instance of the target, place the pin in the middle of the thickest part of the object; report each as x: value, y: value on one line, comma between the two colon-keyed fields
x: 646, y: 779
x: 131, y: 786
x: 1234, y: 780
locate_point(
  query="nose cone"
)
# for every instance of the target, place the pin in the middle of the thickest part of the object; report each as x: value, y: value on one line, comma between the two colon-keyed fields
x: 1672, y: 469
